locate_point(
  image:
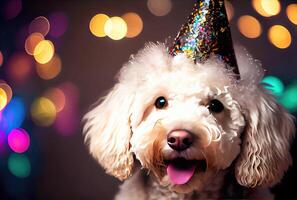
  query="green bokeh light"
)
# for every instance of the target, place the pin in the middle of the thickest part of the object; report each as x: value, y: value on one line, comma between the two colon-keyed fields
x: 273, y: 84
x: 19, y: 165
x: 289, y: 99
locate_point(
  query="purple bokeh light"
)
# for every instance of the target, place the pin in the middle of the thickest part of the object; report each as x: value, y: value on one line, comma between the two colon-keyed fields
x: 18, y: 140
x: 59, y: 24
x: 12, y: 9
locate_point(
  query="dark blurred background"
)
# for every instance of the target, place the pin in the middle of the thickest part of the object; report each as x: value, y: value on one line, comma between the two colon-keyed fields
x: 56, y: 60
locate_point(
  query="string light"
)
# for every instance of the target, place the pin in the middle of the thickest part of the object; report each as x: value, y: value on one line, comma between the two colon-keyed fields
x: 292, y: 13
x: 44, y: 51
x: 249, y: 26
x: 279, y: 36
x: 159, y: 7
x: 97, y: 24
x: 134, y: 24
x: 115, y: 28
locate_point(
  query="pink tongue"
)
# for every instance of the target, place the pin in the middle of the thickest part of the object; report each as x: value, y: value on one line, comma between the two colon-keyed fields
x: 180, y: 176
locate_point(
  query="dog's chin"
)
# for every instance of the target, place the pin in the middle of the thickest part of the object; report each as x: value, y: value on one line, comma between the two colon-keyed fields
x: 184, y: 176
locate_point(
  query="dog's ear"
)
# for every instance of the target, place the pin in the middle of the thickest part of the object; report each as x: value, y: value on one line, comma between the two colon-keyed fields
x: 107, y: 131
x: 265, y: 154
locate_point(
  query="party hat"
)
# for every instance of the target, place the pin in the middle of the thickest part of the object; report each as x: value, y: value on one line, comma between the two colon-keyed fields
x: 206, y: 33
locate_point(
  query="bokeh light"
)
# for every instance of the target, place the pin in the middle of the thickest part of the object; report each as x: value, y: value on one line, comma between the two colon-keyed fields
x: 271, y: 7
x: 50, y: 69
x: 115, y: 28
x: 59, y: 24
x: 19, y: 165
x: 57, y: 96
x: 159, y: 7
x: 289, y: 99
x: 249, y: 26
x: 292, y: 13
x: 134, y: 24
x: 7, y: 89
x: 31, y: 42
x: 229, y: 9
x: 43, y: 112
x: 19, y: 67
x: 273, y: 84
x: 279, y: 36
x: 2, y: 143
x: 97, y: 24
x: 70, y: 111
x: 13, y: 115
x: 3, y: 99
x: 18, y: 140
x: 44, y: 51
x: 39, y: 25
x: 1, y: 59
x: 12, y: 8
x: 267, y: 8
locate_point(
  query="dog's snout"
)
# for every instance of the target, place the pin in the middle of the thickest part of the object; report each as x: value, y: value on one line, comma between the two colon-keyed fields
x: 180, y: 140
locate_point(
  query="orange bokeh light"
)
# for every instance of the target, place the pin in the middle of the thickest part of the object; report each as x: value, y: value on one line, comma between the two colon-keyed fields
x: 49, y: 70
x: 249, y: 26
x: 57, y: 96
x: 292, y: 13
x: 32, y: 41
x: 279, y: 36
x: 19, y: 67
x: 134, y: 24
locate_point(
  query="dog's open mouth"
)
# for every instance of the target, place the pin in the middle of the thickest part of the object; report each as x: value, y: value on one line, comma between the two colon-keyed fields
x: 180, y: 170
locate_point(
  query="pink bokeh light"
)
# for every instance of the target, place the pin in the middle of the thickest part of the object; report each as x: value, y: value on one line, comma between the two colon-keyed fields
x: 12, y: 9
x: 19, y: 140
x: 68, y: 119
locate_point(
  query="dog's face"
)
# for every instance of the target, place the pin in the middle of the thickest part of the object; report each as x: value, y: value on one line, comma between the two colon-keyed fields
x: 186, y: 123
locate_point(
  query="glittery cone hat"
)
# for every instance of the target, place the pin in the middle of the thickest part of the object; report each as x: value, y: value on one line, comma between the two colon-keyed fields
x: 206, y: 32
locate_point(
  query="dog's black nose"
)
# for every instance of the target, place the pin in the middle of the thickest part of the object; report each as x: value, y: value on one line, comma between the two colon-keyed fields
x: 180, y: 140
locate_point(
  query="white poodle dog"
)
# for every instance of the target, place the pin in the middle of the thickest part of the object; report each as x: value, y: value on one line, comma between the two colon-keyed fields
x: 178, y: 130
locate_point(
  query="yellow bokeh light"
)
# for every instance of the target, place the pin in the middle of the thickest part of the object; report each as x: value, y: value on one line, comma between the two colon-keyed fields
x: 134, y: 24
x: 7, y: 89
x: 97, y: 24
x: 50, y: 69
x: 115, y: 28
x: 57, y: 96
x: 44, y: 51
x: 279, y: 36
x: 271, y: 7
x: 3, y: 99
x: 292, y: 13
x: 1, y: 58
x: 159, y: 7
x: 43, y: 112
x: 229, y: 10
x: 31, y: 42
x: 267, y: 8
x: 249, y: 26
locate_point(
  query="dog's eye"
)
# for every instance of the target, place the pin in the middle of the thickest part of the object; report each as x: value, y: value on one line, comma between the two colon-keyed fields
x: 161, y: 102
x: 215, y: 106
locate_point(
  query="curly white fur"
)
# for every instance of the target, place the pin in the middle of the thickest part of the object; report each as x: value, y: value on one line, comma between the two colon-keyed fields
x: 253, y: 133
